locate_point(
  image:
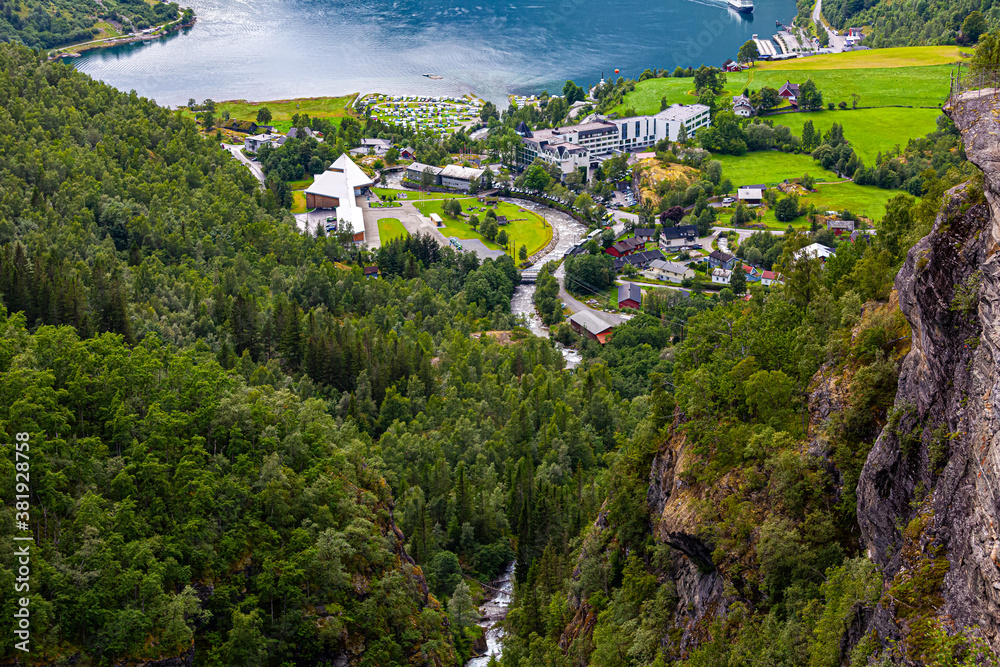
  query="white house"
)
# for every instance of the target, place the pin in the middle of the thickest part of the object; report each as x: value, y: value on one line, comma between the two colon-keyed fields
x: 751, y: 195
x: 816, y: 251
x: 742, y: 106
x: 679, y: 237
x: 256, y: 142
x: 669, y: 271
x: 378, y: 147
x: 721, y: 276
x: 768, y: 278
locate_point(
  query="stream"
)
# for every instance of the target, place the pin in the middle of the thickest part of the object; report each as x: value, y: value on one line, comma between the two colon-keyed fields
x: 569, y: 233
x: 494, y: 611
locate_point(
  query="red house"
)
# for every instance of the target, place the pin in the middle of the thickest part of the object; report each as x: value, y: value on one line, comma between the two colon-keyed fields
x: 790, y: 92
x: 629, y: 296
x: 626, y: 247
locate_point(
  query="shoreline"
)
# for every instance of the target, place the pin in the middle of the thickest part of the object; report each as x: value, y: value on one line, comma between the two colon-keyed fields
x: 77, y: 50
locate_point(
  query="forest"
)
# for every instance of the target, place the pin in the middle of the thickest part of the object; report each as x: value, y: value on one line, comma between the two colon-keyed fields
x: 46, y: 24
x: 247, y: 453
x: 247, y: 447
x: 918, y: 23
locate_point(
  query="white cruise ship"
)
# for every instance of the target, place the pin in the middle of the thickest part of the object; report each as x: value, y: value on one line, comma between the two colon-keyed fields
x: 743, y: 6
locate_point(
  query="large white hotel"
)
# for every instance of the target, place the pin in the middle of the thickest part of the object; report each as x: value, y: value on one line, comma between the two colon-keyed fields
x: 585, y: 147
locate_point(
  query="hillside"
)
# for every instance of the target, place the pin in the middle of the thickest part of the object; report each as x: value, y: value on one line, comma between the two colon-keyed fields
x: 805, y: 493
x: 249, y: 453
x: 184, y: 491
x: 872, y: 130
x: 47, y: 24
x: 925, y: 22
x: 927, y: 492
x: 245, y: 451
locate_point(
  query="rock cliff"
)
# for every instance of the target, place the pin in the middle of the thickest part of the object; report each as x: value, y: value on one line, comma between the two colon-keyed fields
x: 929, y: 493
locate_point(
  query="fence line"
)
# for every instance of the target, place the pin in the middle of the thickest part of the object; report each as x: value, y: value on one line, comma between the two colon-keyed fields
x: 969, y: 84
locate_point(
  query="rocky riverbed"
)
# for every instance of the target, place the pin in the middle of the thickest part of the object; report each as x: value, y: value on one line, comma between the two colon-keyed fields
x: 494, y: 610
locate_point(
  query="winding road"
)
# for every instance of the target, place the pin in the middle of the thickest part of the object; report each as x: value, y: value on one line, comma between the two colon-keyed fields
x: 254, y: 167
x: 837, y: 42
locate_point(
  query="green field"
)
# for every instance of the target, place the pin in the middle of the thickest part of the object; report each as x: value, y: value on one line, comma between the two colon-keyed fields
x: 907, y: 56
x: 334, y: 109
x: 107, y: 30
x: 389, y: 229
x: 413, y: 195
x: 912, y: 86
x: 916, y: 86
x: 870, y: 131
x: 770, y: 167
x: 864, y: 200
x: 298, y: 201
x: 532, y: 232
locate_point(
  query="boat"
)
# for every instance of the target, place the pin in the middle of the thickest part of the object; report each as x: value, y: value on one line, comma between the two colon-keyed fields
x: 742, y: 6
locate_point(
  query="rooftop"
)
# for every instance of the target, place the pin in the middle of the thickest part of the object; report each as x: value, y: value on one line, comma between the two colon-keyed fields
x: 461, y: 173
x: 628, y: 291
x: 590, y: 322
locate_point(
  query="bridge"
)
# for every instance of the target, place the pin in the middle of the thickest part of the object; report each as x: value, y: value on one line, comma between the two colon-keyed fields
x: 529, y: 276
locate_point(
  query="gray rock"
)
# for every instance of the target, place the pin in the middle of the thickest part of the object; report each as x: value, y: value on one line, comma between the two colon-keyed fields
x: 947, y: 384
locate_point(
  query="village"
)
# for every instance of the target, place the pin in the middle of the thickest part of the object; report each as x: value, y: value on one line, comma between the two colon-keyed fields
x: 606, y: 172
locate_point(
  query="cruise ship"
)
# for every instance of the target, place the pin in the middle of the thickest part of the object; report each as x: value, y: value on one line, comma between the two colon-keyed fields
x: 743, y: 6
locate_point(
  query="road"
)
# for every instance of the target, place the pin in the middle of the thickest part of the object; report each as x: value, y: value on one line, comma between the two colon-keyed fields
x: 413, y: 221
x: 254, y: 167
x: 121, y: 39
x: 837, y: 42
x: 576, y: 306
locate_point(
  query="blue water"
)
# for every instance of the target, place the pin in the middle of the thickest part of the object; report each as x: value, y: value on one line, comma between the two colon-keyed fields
x: 276, y: 49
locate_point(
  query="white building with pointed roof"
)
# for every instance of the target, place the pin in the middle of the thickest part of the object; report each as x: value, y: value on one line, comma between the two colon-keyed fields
x: 339, y: 188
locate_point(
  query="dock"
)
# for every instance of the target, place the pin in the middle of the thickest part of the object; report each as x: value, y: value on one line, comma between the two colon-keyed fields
x: 765, y: 47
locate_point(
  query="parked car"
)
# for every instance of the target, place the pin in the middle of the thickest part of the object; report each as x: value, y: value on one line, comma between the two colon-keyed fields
x: 729, y: 200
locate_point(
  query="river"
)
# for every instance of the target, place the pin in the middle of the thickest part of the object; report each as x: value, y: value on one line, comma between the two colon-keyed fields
x: 278, y: 49
x: 494, y: 611
x: 569, y: 233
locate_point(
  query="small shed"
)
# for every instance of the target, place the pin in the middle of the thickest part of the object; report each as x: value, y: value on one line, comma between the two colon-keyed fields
x: 629, y: 296
x: 436, y: 219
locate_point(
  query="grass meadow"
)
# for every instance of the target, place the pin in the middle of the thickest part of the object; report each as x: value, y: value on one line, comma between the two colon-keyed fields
x: 389, y: 229
x: 530, y: 230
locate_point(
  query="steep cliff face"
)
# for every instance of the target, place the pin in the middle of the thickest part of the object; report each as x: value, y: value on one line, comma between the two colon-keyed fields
x: 672, y: 505
x: 929, y: 494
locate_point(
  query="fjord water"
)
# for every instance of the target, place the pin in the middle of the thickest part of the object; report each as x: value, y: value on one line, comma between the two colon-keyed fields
x: 275, y: 49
